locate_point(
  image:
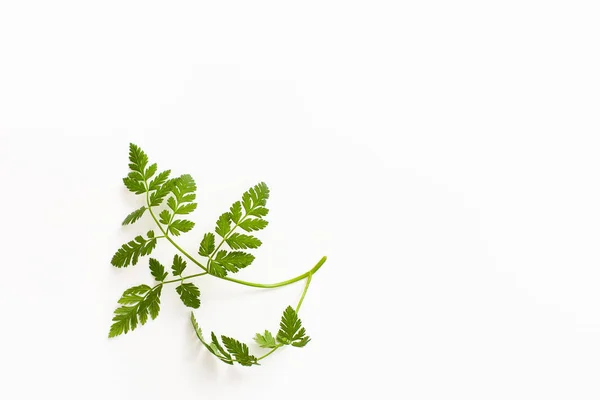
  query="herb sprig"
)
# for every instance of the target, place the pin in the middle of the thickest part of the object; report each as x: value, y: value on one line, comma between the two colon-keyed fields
x: 226, y: 252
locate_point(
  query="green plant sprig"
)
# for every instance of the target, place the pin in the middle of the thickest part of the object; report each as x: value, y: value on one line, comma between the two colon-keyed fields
x: 139, y: 303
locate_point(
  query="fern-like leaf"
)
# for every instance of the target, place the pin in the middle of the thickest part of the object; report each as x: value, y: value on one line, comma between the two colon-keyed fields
x: 138, y: 303
x: 189, y: 294
x: 134, y: 216
x: 130, y: 252
x: 291, y: 330
x: 216, y: 350
x: 239, y: 351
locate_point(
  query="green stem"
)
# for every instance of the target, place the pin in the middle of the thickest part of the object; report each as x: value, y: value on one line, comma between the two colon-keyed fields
x: 269, y: 353
x: 304, y: 292
x: 308, y: 279
x: 278, y: 284
x: 185, y: 277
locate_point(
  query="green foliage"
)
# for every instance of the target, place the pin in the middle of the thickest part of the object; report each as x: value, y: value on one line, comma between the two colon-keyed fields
x: 149, y: 173
x: 236, y: 350
x: 240, y: 351
x: 223, y: 225
x: 130, y: 252
x: 291, y: 330
x: 259, y: 212
x: 162, y: 191
x: 159, y: 180
x: 253, y: 224
x: 135, y: 181
x: 207, y: 246
x: 241, y: 241
x: 214, y: 347
x: 166, y: 200
x: 137, y: 303
x: 164, y: 217
x: 172, y: 203
x: 186, y: 208
x: 180, y: 203
x: 137, y: 159
x: 221, y: 262
x: 265, y: 340
x: 189, y: 294
x: 184, y: 189
x: 230, y: 262
x: 134, y: 216
x: 179, y: 265
x: 255, y: 197
x: 235, y: 212
x: 134, y: 185
x: 180, y: 226
x: 157, y: 270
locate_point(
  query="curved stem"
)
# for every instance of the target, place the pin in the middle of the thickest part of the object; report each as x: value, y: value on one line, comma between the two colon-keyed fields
x: 269, y: 353
x: 246, y: 283
x: 278, y: 284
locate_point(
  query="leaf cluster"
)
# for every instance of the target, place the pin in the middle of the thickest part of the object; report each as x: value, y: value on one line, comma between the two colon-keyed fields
x: 247, y: 215
x: 226, y: 250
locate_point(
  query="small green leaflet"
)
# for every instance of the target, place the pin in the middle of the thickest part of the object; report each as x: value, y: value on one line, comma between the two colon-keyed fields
x: 215, y: 349
x: 180, y: 226
x: 185, y: 188
x: 265, y: 340
x: 255, y: 197
x: 157, y: 270
x: 172, y: 203
x: 253, y: 202
x: 291, y: 330
x: 179, y: 265
x: 137, y: 159
x: 164, y: 217
x: 159, y: 180
x: 134, y: 294
x: 207, y: 246
x: 130, y: 252
x: 241, y: 241
x: 259, y: 212
x: 253, y: 224
x: 134, y: 186
x: 189, y: 294
x: 186, y: 208
x: 236, y: 212
x: 137, y: 302
x: 223, y: 224
x: 239, y: 351
x: 157, y: 197
x: 229, y: 261
x: 217, y: 346
x: 150, y: 171
x: 134, y: 216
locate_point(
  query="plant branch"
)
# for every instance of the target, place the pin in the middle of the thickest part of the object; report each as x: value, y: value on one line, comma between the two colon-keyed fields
x: 167, y: 236
x: 238, y: 281
x: 308, y: 279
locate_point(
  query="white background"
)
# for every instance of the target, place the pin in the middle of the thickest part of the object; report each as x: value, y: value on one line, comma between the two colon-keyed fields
x: 444, y: 155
